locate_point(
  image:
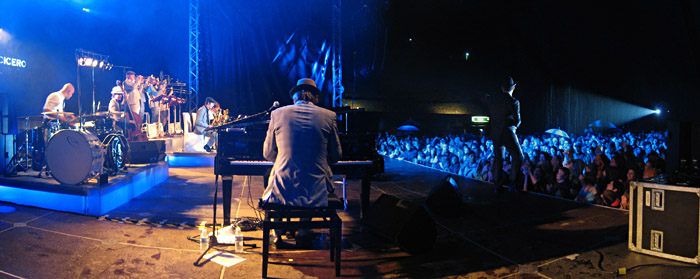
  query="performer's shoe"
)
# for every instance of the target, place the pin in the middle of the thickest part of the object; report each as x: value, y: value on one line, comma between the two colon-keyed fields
x: 281, y: 244
x: 207, y: 148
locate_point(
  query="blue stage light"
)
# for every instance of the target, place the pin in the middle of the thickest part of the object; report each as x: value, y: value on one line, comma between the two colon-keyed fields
x: 656, y: 111
x: 86, y: 10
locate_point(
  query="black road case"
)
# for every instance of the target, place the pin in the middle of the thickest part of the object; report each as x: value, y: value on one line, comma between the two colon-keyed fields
x: 665, y: 221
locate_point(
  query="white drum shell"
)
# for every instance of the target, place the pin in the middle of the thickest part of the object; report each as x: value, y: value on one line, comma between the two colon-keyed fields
x: 74, y: 156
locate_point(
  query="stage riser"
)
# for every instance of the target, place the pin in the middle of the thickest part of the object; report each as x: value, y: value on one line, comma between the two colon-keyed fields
x: 93, y: 201
x: 190, y: 161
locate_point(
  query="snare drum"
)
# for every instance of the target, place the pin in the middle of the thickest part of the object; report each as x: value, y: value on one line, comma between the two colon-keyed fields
x: 74, y: 156
x: 104, y: 126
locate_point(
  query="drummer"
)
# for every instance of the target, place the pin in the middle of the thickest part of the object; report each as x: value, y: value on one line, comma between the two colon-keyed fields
x: 55, y: 102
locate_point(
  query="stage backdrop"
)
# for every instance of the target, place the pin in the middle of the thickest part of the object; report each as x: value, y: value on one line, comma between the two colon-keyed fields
x: 253, y: 52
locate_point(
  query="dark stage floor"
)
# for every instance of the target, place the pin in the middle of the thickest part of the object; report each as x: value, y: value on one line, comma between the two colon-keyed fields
x: 508, y: 235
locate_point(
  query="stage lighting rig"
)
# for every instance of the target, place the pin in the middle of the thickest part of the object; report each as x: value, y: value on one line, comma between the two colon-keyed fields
x: 86, y: 58
x: 91, y: 60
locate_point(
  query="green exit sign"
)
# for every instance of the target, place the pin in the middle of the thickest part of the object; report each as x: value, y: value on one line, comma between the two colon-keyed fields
x: 480, y: 119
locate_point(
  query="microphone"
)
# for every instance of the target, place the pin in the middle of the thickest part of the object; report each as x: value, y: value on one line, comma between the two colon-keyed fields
x: 275, y: 105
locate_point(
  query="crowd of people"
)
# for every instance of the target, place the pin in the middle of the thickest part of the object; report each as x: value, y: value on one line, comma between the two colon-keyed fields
x: 594, y: 168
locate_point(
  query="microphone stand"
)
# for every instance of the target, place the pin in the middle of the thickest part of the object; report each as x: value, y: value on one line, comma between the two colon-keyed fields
x: 259, y: 114
x: 212, y: 238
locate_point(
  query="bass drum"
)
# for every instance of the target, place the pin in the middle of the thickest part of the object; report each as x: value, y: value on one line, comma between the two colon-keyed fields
x: 116, y: 152
x: 74, y: 156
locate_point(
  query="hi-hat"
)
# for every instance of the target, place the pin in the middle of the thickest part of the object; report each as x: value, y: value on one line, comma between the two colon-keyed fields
x: 101, y: 113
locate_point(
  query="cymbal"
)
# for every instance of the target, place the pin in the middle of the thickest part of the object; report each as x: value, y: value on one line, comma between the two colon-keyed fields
x: 56, y: 113
x: 32, y: 117
x: 101, y: 113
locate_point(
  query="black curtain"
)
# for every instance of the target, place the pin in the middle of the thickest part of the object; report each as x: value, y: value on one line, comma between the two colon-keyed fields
x: 253, y: 52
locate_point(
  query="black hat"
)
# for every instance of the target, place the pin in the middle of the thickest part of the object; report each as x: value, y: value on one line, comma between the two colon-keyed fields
x: 305, y: 84
x: 507, y: 82
x: 130, y: 73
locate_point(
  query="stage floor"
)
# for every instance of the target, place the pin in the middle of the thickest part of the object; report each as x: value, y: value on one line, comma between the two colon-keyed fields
x: 508, y: 235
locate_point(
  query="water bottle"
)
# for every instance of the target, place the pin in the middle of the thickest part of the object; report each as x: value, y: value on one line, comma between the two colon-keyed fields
x: 203, y: 239
x: 238, y: 240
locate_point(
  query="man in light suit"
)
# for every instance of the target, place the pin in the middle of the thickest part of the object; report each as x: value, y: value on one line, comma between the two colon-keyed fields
x: 302, y: 139
x: 203, y: 121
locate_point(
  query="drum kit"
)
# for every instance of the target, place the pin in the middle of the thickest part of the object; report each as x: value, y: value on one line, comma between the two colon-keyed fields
x: 72, y: 151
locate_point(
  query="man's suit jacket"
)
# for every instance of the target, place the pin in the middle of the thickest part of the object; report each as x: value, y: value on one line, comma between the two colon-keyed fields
x: 504, y: 114
x: 202, y: 121
x: 302, y: 139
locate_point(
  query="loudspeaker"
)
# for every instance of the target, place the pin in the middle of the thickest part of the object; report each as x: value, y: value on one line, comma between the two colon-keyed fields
x: 683, y: 144
x: 445, y: 199
x: 146, y: 152
x: 405, y: 223
x: 104, y: 179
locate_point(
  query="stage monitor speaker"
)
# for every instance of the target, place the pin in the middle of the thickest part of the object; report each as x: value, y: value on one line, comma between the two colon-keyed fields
x: 104, y: 179
x: 683, y: 144
x: 405, y: 223
x: 146, y: 152
x: 445, y: 199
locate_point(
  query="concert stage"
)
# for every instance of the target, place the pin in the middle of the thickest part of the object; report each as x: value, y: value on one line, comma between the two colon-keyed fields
x: 89, y: 198
x: 190, y: 159
x: 510, y: 235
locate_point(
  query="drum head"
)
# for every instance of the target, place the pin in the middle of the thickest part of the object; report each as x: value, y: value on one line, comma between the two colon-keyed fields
x: 69, y: 156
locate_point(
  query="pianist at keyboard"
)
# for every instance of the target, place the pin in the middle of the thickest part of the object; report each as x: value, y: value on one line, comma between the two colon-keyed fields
x: 302, y: 139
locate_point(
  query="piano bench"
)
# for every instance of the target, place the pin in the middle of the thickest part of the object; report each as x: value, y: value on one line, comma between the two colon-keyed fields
x: 281, y: 217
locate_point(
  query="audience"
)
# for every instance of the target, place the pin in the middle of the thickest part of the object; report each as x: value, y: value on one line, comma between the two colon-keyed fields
x: 593, y: 168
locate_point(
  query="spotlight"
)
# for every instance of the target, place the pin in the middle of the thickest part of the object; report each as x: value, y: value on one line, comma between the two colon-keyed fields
x: 466, y: 55
x: 81, y: 61
x: 656, y: 111
x: 102, y: 63
x: 88, y: 61
x: 86, y: 10
x: 94, y: 63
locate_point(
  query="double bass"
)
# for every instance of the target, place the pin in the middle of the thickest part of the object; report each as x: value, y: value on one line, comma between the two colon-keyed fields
x: 133, y: 121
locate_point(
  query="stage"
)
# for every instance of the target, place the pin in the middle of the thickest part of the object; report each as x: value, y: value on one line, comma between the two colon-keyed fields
x: 509, y: 235
x: 90, y: 198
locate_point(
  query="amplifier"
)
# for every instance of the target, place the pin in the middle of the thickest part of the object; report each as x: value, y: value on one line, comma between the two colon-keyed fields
x: 665, y: 221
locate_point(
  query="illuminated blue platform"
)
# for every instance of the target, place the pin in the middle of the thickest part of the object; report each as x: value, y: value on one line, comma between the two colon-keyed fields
x: 190, y: 159
x: 89, y: 198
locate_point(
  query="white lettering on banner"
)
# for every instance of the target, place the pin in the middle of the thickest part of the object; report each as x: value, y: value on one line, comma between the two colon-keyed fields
x: 14, y: 62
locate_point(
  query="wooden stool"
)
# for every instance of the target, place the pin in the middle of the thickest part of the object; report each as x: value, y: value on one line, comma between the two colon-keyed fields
x: 281, y: 217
